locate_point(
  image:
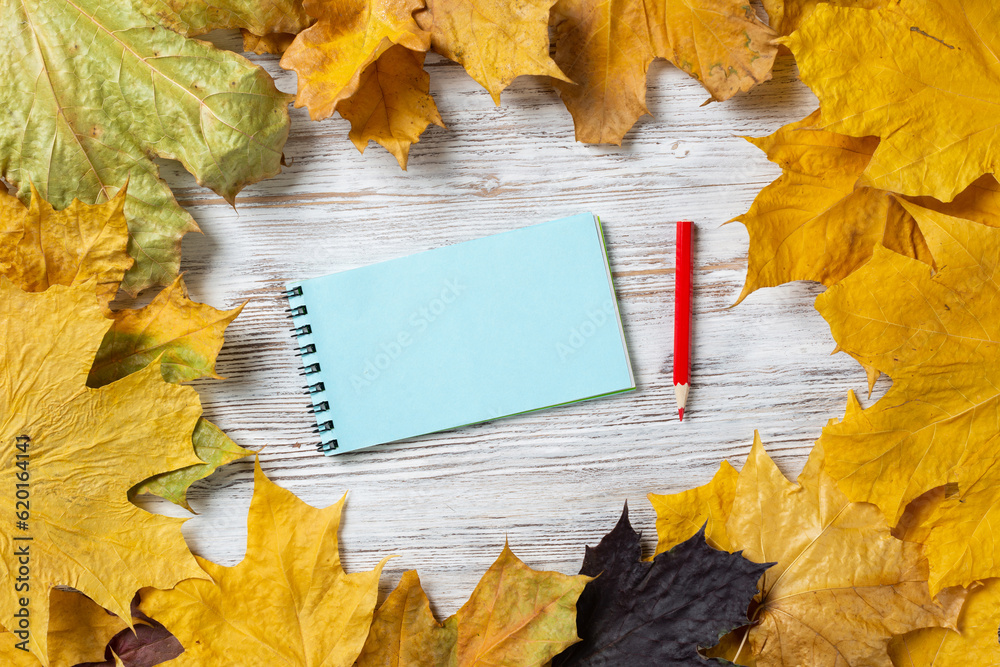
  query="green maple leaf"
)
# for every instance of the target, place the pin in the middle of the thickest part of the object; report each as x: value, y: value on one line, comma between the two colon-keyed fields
x: 92, y: 91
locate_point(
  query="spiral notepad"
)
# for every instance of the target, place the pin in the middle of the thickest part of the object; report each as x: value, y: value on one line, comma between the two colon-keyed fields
x: 462, y: 334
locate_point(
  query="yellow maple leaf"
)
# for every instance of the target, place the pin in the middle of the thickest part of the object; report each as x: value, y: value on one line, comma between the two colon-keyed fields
x: 953, y: 522
x: 785, y: 16
x: 289, y: 602
x: 606, y: 59
x: 980, y: 202
x: 212, y: 446
x: 915, y: 523
x: 392, y: 104
x: 679, y: 516
x: 79, y: 629
x: 935, y: 335
x: 605, y: 49
x: 405, y: 632
x: 515, y: 616
x: 496, y: 41
x: 184, y: 335
x: 40, y: 246
x: 330, y: 56
x: 518, y: 616
x: 78, y: 451
x: 877, y: 73
x: 961, y: 545
x: 721, y: 43
x: 842, y: 586
x: 975, y: 643
x: 815, y: 223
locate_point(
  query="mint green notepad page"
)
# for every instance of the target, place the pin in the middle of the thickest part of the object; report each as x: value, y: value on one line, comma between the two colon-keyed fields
x: 462, y: 334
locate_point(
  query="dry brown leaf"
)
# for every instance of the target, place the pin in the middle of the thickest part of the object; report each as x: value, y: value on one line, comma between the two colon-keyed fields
x: 605, y: 51
x: 721, y: 43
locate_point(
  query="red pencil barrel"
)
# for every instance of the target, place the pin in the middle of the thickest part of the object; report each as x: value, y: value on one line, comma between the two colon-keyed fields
x: 682, y: 304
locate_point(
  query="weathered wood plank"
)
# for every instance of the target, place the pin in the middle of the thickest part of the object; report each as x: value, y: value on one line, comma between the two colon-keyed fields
x: 552, y: 481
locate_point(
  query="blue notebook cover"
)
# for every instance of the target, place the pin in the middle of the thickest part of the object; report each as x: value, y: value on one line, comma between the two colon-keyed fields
x: 462, y: 334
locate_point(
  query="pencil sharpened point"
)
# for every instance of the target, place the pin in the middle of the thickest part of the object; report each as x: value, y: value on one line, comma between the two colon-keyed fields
x: 680, y: 413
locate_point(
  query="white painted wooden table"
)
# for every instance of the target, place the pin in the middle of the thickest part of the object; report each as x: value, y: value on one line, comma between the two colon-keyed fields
x: 552, y: 481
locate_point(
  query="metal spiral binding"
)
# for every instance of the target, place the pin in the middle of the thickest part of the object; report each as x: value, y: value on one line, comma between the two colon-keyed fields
x: 310, y: 369
x: 324, y: 427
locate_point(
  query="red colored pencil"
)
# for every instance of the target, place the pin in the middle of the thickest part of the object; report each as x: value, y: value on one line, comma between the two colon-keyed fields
x: 682, y: 316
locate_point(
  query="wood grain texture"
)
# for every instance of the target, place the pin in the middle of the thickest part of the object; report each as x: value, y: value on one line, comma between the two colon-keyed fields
x: 553, y: 481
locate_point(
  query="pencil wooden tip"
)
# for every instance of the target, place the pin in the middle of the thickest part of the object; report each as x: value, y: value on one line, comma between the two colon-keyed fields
x: 681, y: 393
